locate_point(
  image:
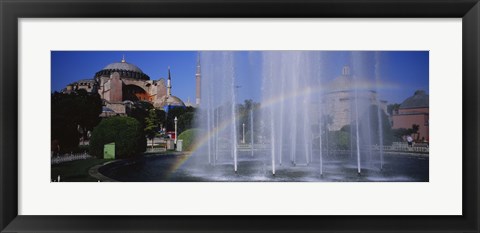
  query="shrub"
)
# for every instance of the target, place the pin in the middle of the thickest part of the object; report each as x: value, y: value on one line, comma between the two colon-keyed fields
x: 126, y: 132
x: 334, y: 140
x: 339, y: 140
x: 189, y: 138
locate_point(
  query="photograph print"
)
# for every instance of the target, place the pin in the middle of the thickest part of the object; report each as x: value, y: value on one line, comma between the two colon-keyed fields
x: 240, y: 116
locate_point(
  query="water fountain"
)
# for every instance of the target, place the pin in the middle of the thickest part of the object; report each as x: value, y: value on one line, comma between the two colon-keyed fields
x: 292, y: 103
x: 312, y: 123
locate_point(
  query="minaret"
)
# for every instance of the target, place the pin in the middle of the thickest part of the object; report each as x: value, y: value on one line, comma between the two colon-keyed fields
x: 169, y: 84
x: 198, y: 81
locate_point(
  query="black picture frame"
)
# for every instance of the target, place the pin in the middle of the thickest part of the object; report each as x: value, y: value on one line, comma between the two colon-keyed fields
x: 11, y: 11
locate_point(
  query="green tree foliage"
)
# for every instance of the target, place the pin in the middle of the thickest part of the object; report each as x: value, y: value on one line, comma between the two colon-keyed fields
x: 126, y: 132
x: 185, y: 121
x: 243, y: 113
x: 139, y: 110
x: 151, y: 125
x: 398, y: 134
x: 189, y: 137
x: 161, y: 116
x: 90, y: 108
x: 176, y: 112
x: 333, y: 140
x: 385, y: 128
x: 368, y: 123
x: 73, y: 115
x: 415, y: 129
x: 339, y: 140
x: 143, y: 112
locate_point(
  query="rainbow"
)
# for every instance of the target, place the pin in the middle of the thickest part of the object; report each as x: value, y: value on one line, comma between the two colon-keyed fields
x: 299, y: 93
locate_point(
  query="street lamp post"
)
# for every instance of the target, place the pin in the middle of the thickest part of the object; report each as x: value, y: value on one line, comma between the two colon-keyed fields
x: 243, y: 138
x: 176, y: 136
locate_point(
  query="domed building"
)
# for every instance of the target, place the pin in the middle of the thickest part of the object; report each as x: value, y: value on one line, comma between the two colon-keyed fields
x: 121, y: 83
x: 414, y: 111
x: 126, y: 70
x: 339, y: 96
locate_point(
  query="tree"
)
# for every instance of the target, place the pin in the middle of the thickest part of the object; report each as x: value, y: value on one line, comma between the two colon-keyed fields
x: 161, y: 116
x: 151, y: 124
x: 176, y: 112
x: 172, y: 113
x: 126, y: 132
x: 185, y: 121
x: 243, y: 113
x: 399, y: 133
x: 139, y: 110
x: 415, y: 129
x: 369, y: 122
x: 73, y: 115
x: 339, y: 140
x: 90, y: 108
x: 385, y: 128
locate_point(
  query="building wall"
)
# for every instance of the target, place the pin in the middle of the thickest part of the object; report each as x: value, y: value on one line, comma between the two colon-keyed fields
x: 118, y: 108
x: 110, y: 89
x: 412, y: 110
x: 116, y: 87
x: 161, y: 91
x: 338, y: 105
x: 408, y: 117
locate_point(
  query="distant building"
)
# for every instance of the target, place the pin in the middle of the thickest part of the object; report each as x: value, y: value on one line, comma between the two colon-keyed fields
x: 338, y: 100
x: 121, y: 83
x: 413, y: 111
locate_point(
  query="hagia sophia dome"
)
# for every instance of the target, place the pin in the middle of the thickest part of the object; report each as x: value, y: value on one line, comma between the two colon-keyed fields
x: 125, y: 69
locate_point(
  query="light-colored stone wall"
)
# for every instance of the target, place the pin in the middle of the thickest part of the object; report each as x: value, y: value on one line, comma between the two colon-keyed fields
x: 338, y: 106
x: 161, y: 93
x: 118, y: 108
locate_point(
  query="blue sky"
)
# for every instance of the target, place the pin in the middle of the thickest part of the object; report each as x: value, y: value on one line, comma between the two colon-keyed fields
x: 401, y: 72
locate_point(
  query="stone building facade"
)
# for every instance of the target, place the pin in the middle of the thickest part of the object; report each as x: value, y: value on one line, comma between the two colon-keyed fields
x: 339, y: 99
x: 121, y: 83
